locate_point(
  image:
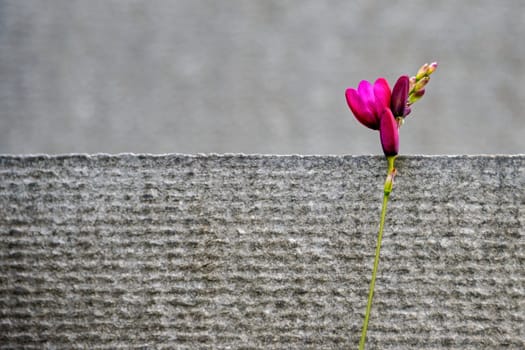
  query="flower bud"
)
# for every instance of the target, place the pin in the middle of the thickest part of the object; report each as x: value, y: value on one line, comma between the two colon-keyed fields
x: 399, y: 96
x: 388, y: 133
x: 423, y: 71
x: 412, y: 83
x: 415, y: 96
x: 432, y: 67
x: 389, y: 182
x: 421, y: 83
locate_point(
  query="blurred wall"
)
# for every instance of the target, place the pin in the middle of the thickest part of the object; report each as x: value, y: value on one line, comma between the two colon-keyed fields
x: 255, y: 76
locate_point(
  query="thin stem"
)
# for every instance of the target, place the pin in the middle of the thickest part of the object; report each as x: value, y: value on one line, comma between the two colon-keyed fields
x: 387, y: 190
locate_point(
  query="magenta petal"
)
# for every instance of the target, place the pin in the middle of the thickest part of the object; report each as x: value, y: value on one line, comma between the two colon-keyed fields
x: 381, y: 94
x: 366, y: 91
x: 361, y: 111
x: 389, y: 133
x: 400, y: 96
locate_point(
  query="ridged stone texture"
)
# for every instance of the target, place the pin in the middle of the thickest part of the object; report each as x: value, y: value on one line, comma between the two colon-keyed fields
x: 260, y: 252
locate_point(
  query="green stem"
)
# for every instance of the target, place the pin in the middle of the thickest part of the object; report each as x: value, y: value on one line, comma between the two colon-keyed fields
x: 387, y: 190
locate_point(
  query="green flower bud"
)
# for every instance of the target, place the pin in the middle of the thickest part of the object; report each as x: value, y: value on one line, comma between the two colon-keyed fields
x: 415, y: 96
x: 422, y: 71
x: 421, y: 83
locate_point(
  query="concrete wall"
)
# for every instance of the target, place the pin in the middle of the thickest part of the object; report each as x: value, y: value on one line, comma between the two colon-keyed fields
x: 260, y: 252
x: 255, y: 76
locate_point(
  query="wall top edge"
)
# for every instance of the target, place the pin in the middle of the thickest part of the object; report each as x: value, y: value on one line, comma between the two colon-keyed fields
x: 250, y: 156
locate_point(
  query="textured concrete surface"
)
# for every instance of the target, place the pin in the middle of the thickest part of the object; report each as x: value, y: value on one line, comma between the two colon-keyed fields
x: 260, y: 252
x: 267, y: 76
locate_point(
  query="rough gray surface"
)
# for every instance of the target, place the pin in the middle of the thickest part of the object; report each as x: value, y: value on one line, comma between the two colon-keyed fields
x: 260, y: 252
x: 266, y: 76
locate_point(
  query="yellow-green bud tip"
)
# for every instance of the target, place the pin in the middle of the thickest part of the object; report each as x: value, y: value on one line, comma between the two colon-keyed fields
x: 432, y: 67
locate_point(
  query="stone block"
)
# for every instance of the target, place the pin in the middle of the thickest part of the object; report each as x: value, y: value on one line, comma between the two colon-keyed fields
x: 260, y: 252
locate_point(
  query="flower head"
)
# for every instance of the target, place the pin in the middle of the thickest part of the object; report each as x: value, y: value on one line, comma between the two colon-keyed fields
x: 371, y: 105
x: 379, y: 108
x: 368, y: 101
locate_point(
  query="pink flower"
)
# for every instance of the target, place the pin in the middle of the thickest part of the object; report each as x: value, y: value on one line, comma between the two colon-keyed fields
x: 375, y: 107
x: 368, y: 102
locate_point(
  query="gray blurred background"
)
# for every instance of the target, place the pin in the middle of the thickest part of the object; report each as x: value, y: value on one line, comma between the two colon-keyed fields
x: 255, y: 76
